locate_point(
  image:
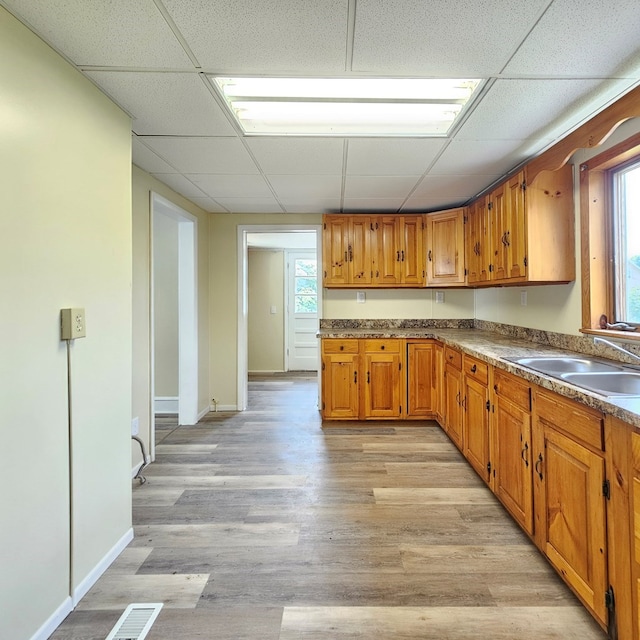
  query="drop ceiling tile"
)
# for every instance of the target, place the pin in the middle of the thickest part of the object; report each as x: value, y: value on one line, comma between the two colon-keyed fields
x: 320, y: 205
x: 292, y: 187
x: 580, y: 38
x: 179, y: 184
x: 264, y: 37
x: 146, y: 159
x: 508, y: 111
x: 231, y: 186
x: 203, y: 155
x: 440, y: 38
x: 116, y: 33
x: 170, y: 104
x: 427, y: 205
x: 208, y: 204
x: 391, y: 156
x: 374, y: 205
x: 453, y: 188
x: 289, y: 156
x: 250, y: 205
x: 379, y: 186
x: 480, y: 157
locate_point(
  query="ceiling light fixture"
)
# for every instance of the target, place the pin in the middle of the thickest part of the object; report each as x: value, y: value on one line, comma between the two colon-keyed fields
x: 345, y: 106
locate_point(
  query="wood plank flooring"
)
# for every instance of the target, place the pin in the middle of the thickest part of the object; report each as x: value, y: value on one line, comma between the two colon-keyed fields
x: 265, y: 526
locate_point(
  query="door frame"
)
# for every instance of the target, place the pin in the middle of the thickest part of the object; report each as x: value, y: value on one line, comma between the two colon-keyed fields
x: 187, y: 312
x: 242, y: 309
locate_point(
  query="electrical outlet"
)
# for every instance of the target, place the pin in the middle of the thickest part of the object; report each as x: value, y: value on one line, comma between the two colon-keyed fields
x: 523, y: 298
x: 72, y: 324
x: 439, y: 297
x: 135, y: 426
x: 360, y: 297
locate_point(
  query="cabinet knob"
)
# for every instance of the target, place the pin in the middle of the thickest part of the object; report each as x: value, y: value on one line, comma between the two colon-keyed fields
x: 474, y: 368
x: 382, y: 347
x: 341, y: 347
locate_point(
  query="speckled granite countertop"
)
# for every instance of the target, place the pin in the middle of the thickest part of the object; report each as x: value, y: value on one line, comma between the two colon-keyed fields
x: 494, y: 347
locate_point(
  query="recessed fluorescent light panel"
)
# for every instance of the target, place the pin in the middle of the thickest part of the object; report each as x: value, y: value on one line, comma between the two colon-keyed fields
x: 345, y: 106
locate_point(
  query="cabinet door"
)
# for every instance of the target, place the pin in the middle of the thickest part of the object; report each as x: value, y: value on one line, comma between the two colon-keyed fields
x: 453, y: 404
x: 387, y: 254
x: 498, y: 227
x: 570, y: 508
x: 472, y: 243
x: 445, y: 255
x: 335, y: 250
x: 382, y: 386
x: 412, y: 267
x: 516, y: 238
x: 476, y: 427
x: 421, y: 394
x: 513, y: 480
x: 438, y: 382
x: 359, y: 250
x: 340, y: 390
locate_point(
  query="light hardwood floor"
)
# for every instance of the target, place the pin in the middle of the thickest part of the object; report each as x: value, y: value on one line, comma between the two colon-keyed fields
x: 265, y: 525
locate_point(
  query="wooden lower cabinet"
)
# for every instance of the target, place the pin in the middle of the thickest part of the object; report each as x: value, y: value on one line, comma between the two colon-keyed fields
x: 382, y: 384
x: 421, y: 379
x: 340, y: 388
x: 511, y: 459
x: 362, y: 379
x: 453, y: 396
x: 475, y: 425
x: 569, y: 475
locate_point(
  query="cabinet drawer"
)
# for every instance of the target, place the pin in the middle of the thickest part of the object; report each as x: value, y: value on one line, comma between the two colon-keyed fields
x: 476, y: 369
x: 512, y: 388
x: 382, y: 344
x: 336, y: 345
x: 453, y: 357
x: 575, y: 419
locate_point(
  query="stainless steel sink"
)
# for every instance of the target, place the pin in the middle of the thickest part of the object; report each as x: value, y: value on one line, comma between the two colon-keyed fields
x: 558, y: 365
x: 611, y: 383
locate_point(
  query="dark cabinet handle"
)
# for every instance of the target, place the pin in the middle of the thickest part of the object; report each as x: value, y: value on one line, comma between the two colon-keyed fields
x: 539, y: 464
x: 397, y: 256
x: 429, y: 256
x: 525, y: 451
x: 341, y: 347
x: 355, y: 377
x: 368, y: 377
x: 350, y: 254
x: 382, y: 347
x: 402, y: 252
x: 474, y: 368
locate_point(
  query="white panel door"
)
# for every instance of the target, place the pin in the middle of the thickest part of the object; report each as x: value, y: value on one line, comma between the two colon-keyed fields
x: 302, y: 311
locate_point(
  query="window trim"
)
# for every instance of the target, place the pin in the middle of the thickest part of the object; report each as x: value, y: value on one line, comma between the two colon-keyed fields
x: 596, y: 237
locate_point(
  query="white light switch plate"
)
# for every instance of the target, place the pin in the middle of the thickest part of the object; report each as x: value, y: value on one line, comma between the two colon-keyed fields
x: 360, y: 297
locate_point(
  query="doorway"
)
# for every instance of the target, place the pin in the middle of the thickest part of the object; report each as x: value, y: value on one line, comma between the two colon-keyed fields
x: 253, y: 232
x: 173, y: 251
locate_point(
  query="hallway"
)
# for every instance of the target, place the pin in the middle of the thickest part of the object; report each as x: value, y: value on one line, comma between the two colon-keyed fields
x: 263, y: 525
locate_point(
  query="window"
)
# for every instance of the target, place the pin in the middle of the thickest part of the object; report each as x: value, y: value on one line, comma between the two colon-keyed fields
x: 610, y: 221
x: 625, y: 202
x: 306, y: 286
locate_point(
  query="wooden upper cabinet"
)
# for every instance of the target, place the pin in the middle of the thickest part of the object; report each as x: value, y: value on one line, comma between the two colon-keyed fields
x: 347, y: 251
x: 529, y: 231
x: 445, y: 248
x: 373, y: 251
x: 478, y: 242
x: 386, y: 261
x: 412, y: 267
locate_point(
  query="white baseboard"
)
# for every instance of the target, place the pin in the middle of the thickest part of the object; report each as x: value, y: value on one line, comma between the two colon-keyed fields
x: 203, y: 413
x: 80, y: 591
x: 165, y: 404
x: 54, y: 621
x: 223, y: 407
x: 70, y: 602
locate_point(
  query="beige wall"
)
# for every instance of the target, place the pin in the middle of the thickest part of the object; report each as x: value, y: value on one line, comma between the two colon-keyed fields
x: 143, y: 185
x: 265, y: 331
x: 551, y: 308
x: 165, y: 306
x: 65, y: 240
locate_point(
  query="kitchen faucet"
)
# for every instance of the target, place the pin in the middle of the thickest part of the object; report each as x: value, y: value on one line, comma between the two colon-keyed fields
x: 598, y: 340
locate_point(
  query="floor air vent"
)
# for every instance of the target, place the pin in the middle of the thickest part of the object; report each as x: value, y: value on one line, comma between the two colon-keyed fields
x: 135, y: 622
